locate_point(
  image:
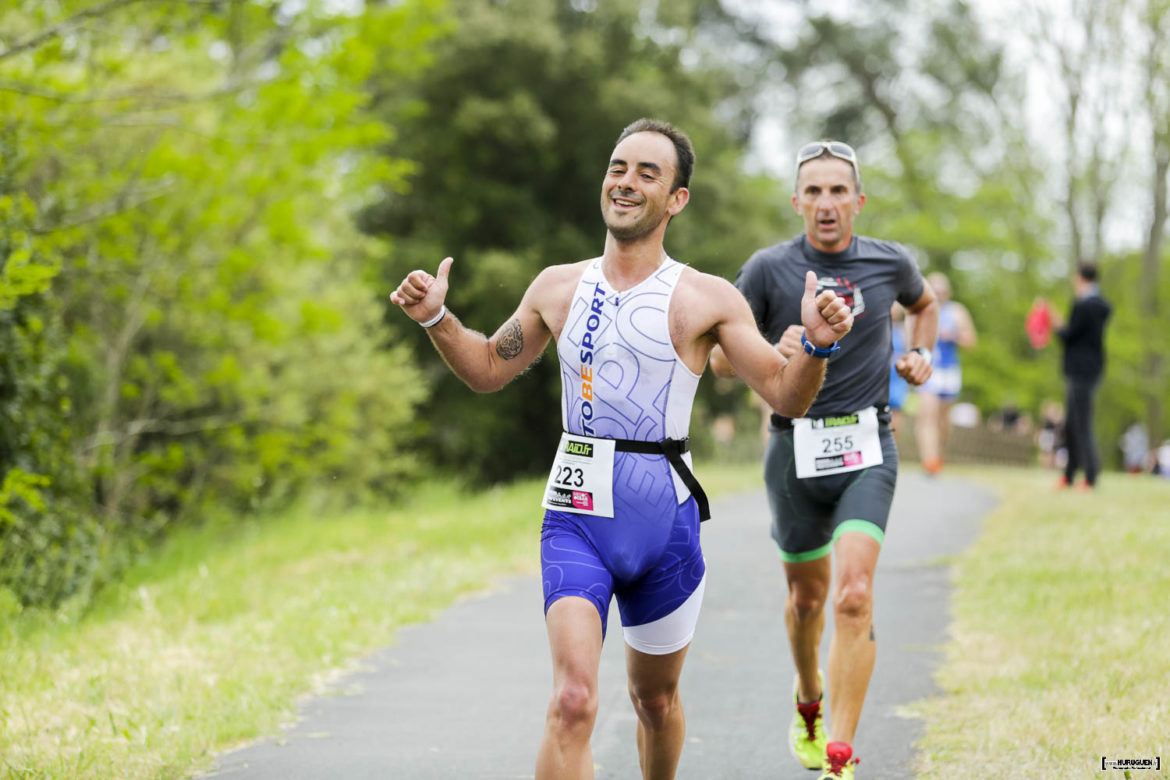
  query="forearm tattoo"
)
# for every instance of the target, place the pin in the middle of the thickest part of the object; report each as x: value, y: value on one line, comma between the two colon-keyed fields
x: 511, y: 340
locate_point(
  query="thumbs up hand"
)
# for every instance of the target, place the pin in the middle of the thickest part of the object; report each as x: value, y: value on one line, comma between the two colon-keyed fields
x: 826, y: 317
x: 421, y: 295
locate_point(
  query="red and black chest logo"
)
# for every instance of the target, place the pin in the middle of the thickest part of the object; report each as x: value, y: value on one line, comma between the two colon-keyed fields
x: 845, y: 289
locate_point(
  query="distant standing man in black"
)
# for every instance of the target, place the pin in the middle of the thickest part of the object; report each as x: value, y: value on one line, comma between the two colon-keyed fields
x: 1083, y: 338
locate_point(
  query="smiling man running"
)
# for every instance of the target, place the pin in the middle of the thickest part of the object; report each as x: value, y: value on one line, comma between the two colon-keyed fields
x: 633, y: 329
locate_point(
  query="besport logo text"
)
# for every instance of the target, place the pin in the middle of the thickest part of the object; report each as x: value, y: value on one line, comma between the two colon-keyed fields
x: 592, y: 323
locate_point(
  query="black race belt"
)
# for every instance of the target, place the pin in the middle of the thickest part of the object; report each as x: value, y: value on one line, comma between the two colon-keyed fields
x: 785, y: 423
x: 673, y: 449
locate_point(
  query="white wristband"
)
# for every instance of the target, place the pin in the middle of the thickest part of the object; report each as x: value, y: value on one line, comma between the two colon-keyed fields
x: 433, y: 321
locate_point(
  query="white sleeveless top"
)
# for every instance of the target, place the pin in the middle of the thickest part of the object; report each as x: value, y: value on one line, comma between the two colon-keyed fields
x: 621, y: 377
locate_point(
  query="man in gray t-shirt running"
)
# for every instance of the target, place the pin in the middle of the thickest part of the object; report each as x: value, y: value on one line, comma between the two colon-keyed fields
x: 830, y: 476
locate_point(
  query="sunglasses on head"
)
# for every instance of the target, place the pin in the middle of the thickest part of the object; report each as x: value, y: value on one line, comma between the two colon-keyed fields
x: 836, y: 148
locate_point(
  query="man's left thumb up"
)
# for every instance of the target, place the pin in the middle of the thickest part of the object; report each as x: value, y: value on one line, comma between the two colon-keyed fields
x: 810, y: 283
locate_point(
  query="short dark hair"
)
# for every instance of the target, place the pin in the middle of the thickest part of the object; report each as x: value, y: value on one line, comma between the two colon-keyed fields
x: 1087, y: 271
x: 682, y: 147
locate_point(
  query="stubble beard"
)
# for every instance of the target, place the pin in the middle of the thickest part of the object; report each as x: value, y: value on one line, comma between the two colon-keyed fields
x: 632, y: 231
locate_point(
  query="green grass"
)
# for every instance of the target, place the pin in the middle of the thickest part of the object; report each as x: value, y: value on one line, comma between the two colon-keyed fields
x: 1059, y: 643
x: 211, y: 642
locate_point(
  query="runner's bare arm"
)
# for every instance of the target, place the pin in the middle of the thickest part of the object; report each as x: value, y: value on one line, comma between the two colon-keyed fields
x: 720, y: 365
x: 789, y: 387
x: 484, y: 364
x: 923, y: 332
x: 788, y: 346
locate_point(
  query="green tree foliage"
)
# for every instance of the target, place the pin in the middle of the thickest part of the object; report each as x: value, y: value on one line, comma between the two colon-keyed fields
x: 924, y: 93
x: 511, y: 131
x: 182, y: 175
x: 958, y: 169
x: 1103, y: 151
x: 47, y: 542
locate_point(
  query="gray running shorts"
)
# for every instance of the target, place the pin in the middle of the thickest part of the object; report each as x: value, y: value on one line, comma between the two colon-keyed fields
x: 809, y: 514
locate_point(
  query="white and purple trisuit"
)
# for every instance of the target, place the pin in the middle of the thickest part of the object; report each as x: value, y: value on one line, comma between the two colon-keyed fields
x: 622, y: 379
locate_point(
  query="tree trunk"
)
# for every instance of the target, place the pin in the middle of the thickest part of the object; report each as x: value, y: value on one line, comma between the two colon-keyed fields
x: 1157, y: 16
x: 1151, y: 309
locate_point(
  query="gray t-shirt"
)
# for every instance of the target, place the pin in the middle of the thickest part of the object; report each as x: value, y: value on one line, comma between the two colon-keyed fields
x: 870, y: 275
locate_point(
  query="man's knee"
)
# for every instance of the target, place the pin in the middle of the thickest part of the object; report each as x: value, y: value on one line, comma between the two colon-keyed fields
x: 655, y: 708
x: 853, y: 600
x: 807, y: 591
x: 807, y: 603
x: 575, y: 705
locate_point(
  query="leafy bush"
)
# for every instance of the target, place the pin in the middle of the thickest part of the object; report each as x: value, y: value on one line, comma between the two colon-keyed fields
x: 186, y: 318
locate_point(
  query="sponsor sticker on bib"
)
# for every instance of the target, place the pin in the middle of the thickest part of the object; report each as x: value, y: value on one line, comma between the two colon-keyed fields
x: 581, y: 479
x: 836, y: 445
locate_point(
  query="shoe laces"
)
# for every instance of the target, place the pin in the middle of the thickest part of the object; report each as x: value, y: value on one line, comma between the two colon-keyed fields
x: 810, y: 712
x: 837, y: 767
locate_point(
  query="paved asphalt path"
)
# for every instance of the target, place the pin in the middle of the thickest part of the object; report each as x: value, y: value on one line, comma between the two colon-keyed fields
x: 465, y: 695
